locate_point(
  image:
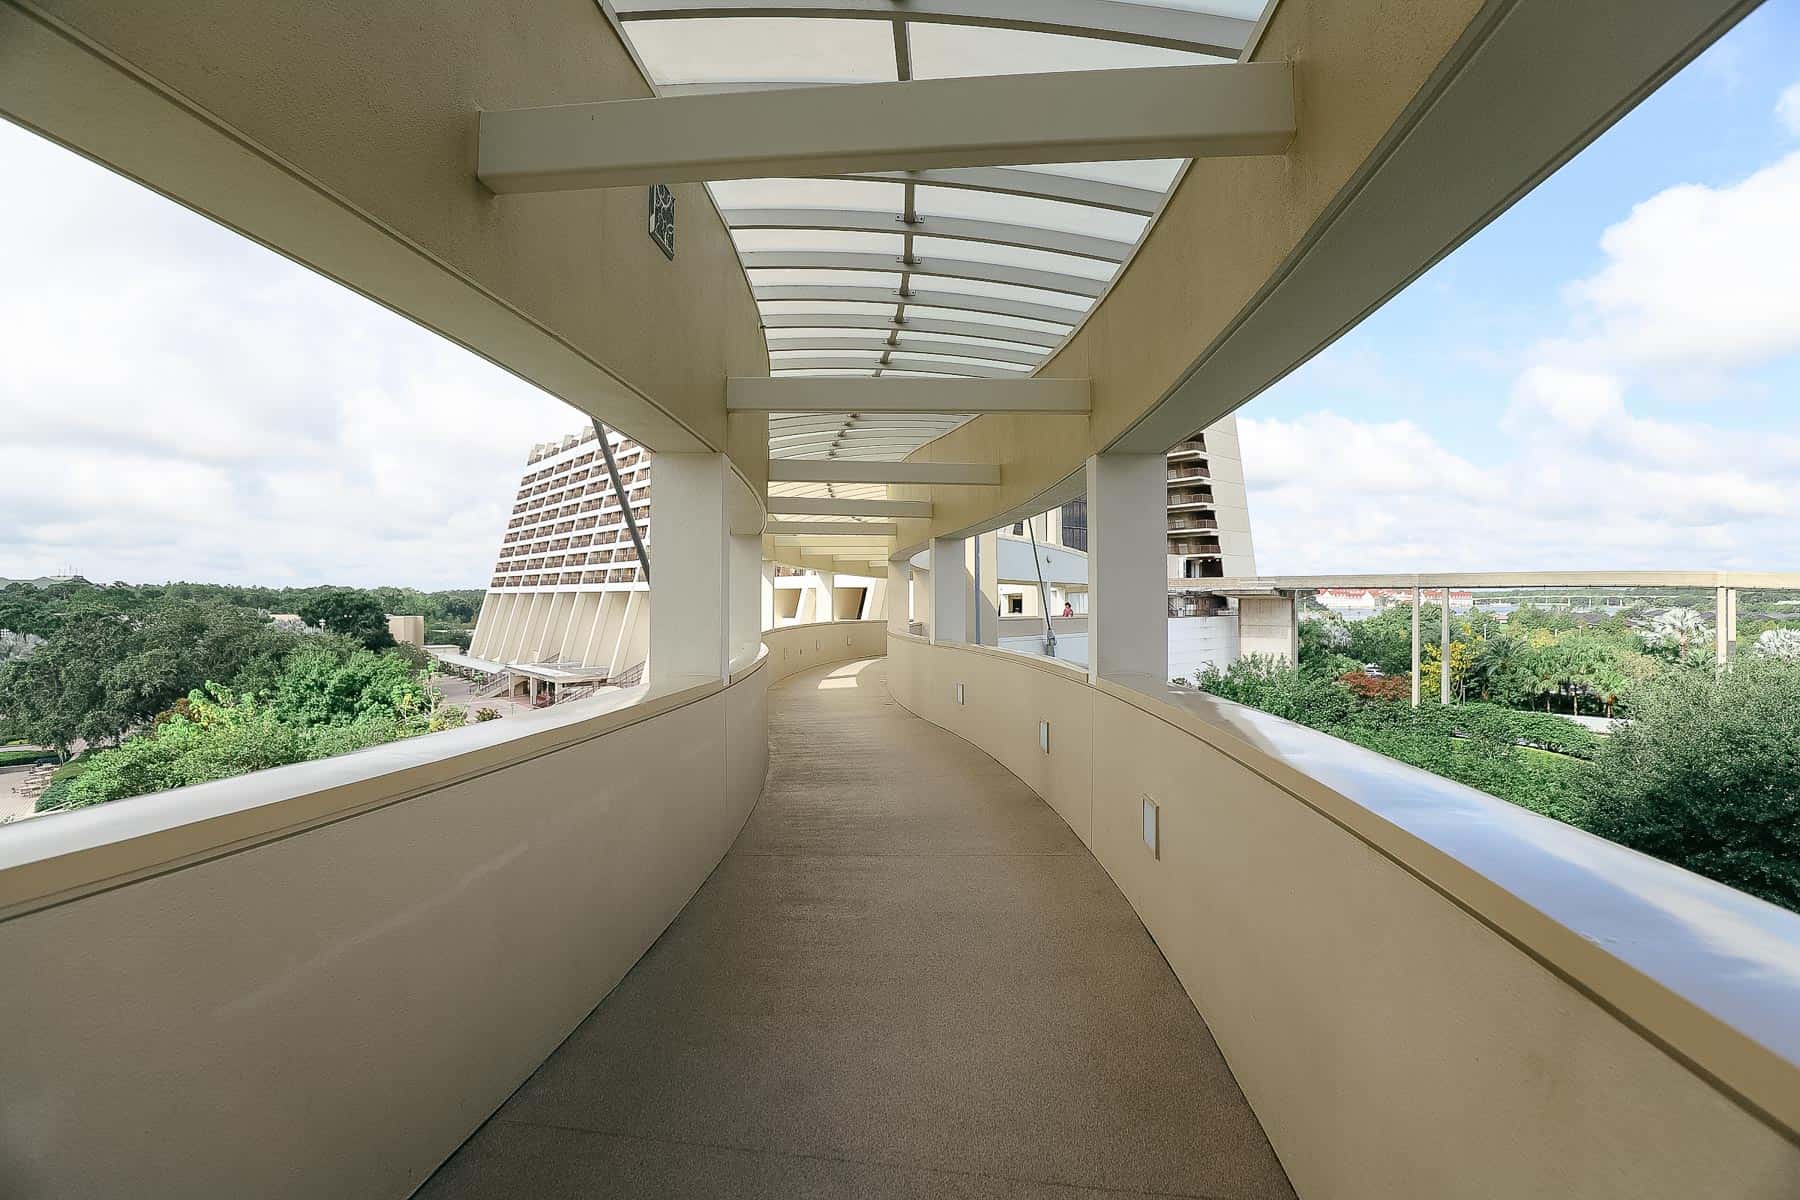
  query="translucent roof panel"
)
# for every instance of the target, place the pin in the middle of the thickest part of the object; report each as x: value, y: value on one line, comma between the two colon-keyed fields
x: 806, y: 193
x: 979, y: 318
x: 827, y: 278
x: 949, y: 51
x: 814, y: 308
x: 1243, y: 10
x: 779, y: 49
x: 928, y: 248
x: 973, y: 343
x: 1153, y: 173
x: 749, y: 240
x: 977, y: 287
x: 1007, y: 260
x: 1027, y: 210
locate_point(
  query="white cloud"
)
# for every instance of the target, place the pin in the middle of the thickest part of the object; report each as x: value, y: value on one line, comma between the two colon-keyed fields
x: 181, y: 403
x: 1332, y: 494
x: 1696, y: 287
x: 1787, y: 108
x: 1698, y: 282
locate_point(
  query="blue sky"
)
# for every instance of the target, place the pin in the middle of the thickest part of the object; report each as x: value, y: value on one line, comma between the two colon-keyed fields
x: 1451, y: 334
x: 1608, y: 377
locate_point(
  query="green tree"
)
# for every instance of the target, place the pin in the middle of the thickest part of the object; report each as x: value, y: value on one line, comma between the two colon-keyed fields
x: 1324, y: 640
x: 1610, y: 683
x: 1386, y: 638
x: 63, y: 693
x: 331, y: 684
x: 354, y: 613
x: 1707, y: 777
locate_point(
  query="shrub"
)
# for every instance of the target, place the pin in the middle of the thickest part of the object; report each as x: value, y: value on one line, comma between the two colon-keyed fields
x: 1271, y: 685
x: 487, y: 714
x: 1377, y: 687
x: 56, y: 795
x: 1708, y: 777
x: 447, y: 716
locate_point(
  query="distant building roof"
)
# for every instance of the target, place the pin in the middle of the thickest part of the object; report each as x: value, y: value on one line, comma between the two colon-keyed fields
x: 44, y: 581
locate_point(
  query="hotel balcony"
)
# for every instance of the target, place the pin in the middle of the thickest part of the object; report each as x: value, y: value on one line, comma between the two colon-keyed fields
x: 873, y: 907
x: 1189, y: 500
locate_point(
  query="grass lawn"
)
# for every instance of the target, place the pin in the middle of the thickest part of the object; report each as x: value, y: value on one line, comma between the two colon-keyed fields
x: 18, y: 758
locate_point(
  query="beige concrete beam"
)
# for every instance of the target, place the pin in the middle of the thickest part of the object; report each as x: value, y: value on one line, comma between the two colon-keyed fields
x: 819, y: 506
x: 873, y: 529
x: 996, y: 120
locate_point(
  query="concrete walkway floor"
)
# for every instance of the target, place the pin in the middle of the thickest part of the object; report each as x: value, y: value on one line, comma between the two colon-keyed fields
x: 907, y: 979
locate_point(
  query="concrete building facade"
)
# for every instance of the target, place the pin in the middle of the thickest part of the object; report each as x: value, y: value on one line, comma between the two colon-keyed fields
x: 1209, y: 512
x: 567, y: 588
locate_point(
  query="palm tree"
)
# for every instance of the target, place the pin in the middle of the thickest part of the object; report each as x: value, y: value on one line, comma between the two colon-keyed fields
x: 1609, y: 684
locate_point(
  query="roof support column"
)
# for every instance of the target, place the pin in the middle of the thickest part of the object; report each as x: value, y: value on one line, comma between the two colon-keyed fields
x: 1415, y: 645
x: 747, y: 585
x: 949, y: 590
x: 1443, y: 650
x: 690, y: 634
x: 1128, y: 566
x: 987, y: 587
x: 899, y: 596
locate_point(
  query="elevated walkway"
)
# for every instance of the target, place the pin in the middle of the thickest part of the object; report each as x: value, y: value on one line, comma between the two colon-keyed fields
x: 907, y: 978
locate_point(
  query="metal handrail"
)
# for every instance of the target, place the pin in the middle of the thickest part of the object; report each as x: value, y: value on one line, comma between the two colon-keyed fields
x: 612, y: 471
x: 1043, y: 594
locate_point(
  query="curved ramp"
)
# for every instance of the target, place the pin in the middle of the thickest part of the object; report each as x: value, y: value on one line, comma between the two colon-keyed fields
x: 908, y: 978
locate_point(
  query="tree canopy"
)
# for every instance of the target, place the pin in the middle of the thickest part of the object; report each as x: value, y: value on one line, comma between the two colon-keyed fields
x: 353, y: 613
x: 1708, y: 776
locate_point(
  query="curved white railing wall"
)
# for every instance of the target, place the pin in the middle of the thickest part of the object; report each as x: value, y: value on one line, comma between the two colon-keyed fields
x: 318, y: 980
x: 801, y: 647
x: 1423, y: 991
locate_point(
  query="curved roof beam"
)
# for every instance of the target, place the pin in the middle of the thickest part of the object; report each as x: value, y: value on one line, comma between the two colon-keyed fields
x: 864, y: 436
x: 896, y: 363
x: 995, y: 233
x: 942, y: 268
x: 1018, y: 181
x: 887, y: 474
x: 1010, y: 392
x: 999, y: 306
x: 812, y: 428
x: 781, y: 423
x: 839, y: 528
x: 994, y: 354
x: 867, y: 452
x: 870, y: 447
x: 995, y: 333
x: 1111, y: 20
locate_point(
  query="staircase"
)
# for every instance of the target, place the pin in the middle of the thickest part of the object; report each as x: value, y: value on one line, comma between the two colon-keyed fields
x: 493, y: 685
